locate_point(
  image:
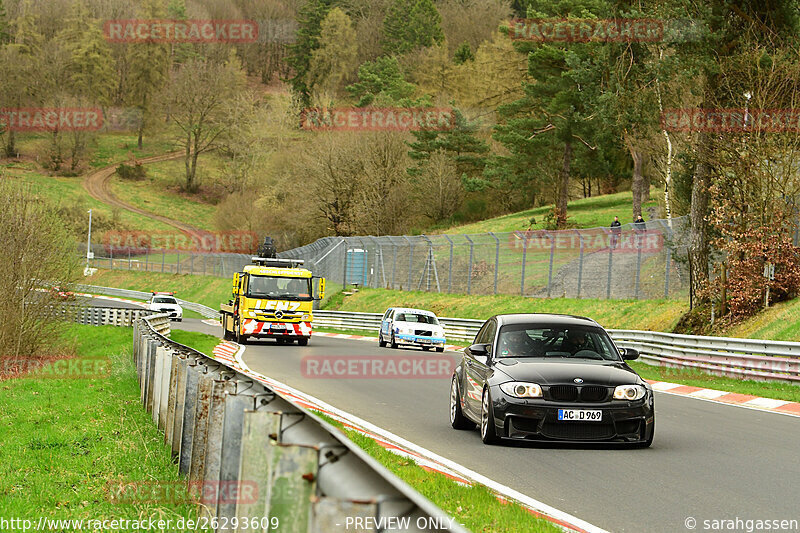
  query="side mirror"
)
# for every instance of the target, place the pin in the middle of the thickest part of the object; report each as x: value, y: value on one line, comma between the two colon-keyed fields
x: 479, y: 349
x: 629, y: 354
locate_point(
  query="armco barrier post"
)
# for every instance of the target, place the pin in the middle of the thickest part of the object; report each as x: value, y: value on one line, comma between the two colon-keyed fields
x: 163, y: 404
x: 293, y: 482
x: 182, y: 365
x: 260, y: 427
x: 171, y: 399
x: 158, y: 367
x: 233, y: 427
x: 200, y: 434
x: 151, y: 372
x: 193, y: 373
x: 216, y: 420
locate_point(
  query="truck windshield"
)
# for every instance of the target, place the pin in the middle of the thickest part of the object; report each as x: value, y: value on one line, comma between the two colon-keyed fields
x: 279, y: 288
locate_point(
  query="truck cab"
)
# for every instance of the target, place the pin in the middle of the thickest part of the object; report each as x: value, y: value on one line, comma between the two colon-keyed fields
x: 272, y: 298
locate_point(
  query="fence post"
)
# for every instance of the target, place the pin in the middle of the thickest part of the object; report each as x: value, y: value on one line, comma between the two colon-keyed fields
x: 111, y: 256
x: 410, y: 260
x: 638, y: 265
x: 524, y: 257
x: 394, y: 259
x: 344, y: 272
x: 550, y: 270
x: 129, y: 258
x: 146, y: 259
x: 667, y: 263
x: 610, y: 262
x: 178, y: 262
x: 469, y: 268
x: 450, y: 270
x: 163, y: 255
x: 580, y: 263
x: 191, y: 262
x: 496, y: 259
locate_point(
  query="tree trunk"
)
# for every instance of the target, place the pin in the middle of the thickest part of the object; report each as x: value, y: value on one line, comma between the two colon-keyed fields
x: 645, y: 193
x: 563, y: 188
x: 638, y: 179
x: 11, y: 144
x: 698, y: 216
x: 187, y: 161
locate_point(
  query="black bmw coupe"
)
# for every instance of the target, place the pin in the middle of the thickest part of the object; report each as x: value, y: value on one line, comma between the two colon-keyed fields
x: 550, y: 378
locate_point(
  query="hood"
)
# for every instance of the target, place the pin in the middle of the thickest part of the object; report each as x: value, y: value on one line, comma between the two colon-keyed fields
x: 553, y: 372
x: 417, y: 325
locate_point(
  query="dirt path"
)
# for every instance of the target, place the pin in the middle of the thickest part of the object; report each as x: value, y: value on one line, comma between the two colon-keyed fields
x: 97, y: 184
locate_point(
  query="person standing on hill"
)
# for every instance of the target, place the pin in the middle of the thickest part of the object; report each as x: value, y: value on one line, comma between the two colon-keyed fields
x: 616, y: 231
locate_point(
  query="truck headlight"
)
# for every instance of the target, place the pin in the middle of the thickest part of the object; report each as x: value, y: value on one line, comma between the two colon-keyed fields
x: 629, y: 392
x: 519, y: 389
x: 305, y: 317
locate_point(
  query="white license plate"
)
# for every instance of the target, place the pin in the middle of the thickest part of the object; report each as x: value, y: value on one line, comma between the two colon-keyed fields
x: 424, y: 341
x: 278, y: 326
x: 580, y: 415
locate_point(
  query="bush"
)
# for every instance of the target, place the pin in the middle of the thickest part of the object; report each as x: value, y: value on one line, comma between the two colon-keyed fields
x: 135, y: 172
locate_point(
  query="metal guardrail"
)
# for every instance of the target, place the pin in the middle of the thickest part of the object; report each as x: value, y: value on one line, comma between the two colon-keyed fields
x: 227, y: 429
x: 201, y: 309
x: 742, y: 358
x: 98, y: 316
x: 463, y: 329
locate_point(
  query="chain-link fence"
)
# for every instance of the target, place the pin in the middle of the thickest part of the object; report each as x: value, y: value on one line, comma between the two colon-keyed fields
x: 630, y: 262
x: 168, y: 261
x: 638, y: 262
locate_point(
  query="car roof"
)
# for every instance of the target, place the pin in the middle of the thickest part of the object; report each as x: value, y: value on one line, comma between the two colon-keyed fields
x: 412, y: 310
x: 544, y: 318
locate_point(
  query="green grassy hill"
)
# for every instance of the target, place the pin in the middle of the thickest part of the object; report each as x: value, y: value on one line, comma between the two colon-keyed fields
x: 592, y: 212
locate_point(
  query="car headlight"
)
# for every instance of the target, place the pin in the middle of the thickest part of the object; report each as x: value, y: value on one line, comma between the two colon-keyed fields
x: 629, y: 392
x: 519, y: 389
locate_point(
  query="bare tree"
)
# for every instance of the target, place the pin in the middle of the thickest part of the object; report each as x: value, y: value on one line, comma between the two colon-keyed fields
x: 198, y: 99
x: 35, y: 248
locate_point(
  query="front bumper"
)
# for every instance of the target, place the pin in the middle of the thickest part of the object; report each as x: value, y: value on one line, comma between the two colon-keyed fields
x: 258, y: 328
x: 537, y: 419
x: 418, y: 340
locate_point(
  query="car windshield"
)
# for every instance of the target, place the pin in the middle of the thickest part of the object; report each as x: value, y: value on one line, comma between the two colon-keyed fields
x: 280, y: 288
x: 164, y: 300
x: 416, y: 317
x: 580, y: 342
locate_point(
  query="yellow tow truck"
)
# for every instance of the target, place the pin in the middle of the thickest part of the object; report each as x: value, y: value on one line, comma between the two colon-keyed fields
x: 272, y: 298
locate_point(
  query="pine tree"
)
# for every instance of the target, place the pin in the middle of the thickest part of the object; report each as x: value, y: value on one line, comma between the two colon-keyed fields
x: 467, y: 152
x: 411, y: 24
x: 381, y: 81
x: 5, y: 35
x: 149, y: 68
x: 335, y: 59
x: 300, y: 53
x: 463, y: 54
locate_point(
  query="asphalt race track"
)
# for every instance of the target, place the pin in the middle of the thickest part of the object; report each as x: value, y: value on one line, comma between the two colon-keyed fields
x: 709, y: 461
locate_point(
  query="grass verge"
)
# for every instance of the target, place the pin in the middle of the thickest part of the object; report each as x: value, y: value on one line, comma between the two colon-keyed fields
x: 202, y: 342
x: 475, y: 506
x: 65, y: 440
x: 654, y: 315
